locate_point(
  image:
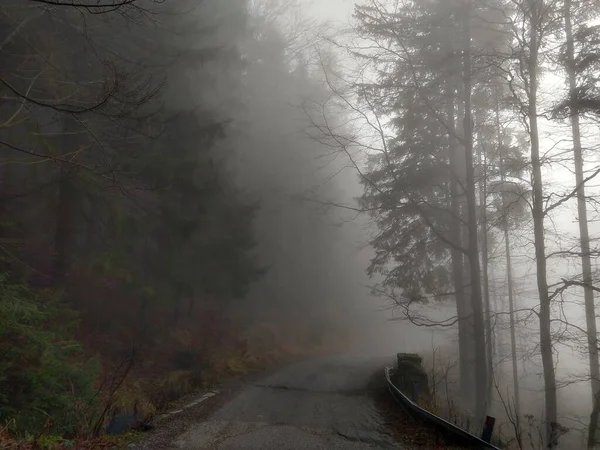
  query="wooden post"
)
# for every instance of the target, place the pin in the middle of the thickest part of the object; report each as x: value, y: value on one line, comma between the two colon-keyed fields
x: 488, y: 429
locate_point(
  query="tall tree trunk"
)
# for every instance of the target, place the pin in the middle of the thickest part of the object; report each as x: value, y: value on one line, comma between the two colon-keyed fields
x: 64, y: 224
x: 538, y: 229
x: 591, y: 443
x: 456, y: 192
x: 66, y: 210
x: 471, y: 373
x: 466, y: 308
x: 509, y: 275
x: 496, y: 305
x: 482, y: 162
x: 513, y: 339
x: 473, y: 249
x: 584, y: 237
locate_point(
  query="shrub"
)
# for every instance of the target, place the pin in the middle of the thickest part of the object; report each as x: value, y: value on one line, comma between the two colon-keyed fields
x: 45, y: 383
x: 171, y: 387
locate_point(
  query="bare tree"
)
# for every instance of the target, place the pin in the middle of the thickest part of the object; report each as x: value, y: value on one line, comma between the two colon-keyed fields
x: 509, y: 273
x: 529, y: 22
x: 584, y: 237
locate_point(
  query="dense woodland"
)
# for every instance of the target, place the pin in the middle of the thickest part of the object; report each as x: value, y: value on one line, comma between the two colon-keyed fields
x: 152, y: 185
x: 177, y: 180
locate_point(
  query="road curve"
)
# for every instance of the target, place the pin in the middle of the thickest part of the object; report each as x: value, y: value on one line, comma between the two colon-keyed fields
x: 317, y: 404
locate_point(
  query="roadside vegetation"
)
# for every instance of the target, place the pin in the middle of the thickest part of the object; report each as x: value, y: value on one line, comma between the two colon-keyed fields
x: 144, y: 238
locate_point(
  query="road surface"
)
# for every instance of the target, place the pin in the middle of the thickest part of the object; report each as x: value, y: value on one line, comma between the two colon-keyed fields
x: 318, y: 404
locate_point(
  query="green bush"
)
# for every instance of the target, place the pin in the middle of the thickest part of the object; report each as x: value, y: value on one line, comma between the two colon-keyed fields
x: 45, y: 383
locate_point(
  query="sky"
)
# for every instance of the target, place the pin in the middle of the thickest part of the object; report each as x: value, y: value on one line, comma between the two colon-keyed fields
x: 335, y: 10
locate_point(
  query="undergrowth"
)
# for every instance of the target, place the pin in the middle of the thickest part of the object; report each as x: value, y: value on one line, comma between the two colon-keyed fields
x: 46, y: 385
x: 55, y: 394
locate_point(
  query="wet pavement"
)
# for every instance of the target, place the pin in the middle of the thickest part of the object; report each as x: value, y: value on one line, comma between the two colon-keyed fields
x: 317, y: 404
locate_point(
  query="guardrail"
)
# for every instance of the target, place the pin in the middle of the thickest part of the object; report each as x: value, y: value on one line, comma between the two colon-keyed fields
x: 416, y: 410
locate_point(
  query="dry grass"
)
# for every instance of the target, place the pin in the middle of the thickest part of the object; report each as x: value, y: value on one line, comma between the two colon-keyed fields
x: 429, y: 405
x: 172, y: 386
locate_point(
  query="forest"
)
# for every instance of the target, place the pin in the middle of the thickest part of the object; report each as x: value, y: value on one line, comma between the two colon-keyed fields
x: 192, y: 190
x: 152, y: 176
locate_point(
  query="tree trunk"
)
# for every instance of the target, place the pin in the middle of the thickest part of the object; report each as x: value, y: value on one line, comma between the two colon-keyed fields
x: 591, y: 443
x: 65, y: 226
x: 473, y: 250
x: 538, y: 229
x: 66, y: 211
x: 482, y: 162
x: 456, y: 192
x: 584, y: 237
x: 498, y: 304
x: 470, y: 374
x: 509, y: 275
x: 513, y: 339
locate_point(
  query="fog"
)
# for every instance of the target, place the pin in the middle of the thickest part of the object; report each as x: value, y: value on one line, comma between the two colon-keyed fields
x: 572, y: 365
x: 196, y: 190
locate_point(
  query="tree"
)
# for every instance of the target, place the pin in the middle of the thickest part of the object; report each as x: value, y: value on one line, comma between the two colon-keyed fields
x: 530, y: 21
x: 416, y: 181
x: 68, y: 102
x: 510, y: 207
x: 590, y: 311
x: 115, y: 186
x: 473, y: 246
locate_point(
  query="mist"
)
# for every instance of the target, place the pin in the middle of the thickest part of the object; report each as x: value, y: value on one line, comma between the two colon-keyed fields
x: 191, y: 192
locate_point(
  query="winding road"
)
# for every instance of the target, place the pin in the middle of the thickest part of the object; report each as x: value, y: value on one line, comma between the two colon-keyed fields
x: 317, y: 404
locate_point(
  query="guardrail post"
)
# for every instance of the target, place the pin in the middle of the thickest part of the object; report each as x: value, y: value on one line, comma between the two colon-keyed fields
x: 488, y: 429
x: 415, y: 392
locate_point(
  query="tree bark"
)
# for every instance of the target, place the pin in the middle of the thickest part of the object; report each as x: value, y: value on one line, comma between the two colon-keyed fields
x: 66, y: 209
x: 538, y: 229
x: 497, y: 305
x: 591, y: 443
x: 584, y: 237
x: 473, y: 249
x: 64, y: 225
x: 456, y: 193
x: 482, y: 162
x: 509, y: 275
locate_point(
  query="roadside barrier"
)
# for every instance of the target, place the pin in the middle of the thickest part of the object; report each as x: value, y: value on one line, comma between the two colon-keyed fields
x: 419, y: 413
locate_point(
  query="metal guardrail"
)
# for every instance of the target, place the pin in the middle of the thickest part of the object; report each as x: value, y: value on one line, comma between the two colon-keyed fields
x: 415, y: 409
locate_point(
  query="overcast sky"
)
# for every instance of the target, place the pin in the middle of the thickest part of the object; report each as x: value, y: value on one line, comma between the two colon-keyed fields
x: 338, y: 10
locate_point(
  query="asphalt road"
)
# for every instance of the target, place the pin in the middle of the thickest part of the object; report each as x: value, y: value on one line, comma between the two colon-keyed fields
x: 317, y: 404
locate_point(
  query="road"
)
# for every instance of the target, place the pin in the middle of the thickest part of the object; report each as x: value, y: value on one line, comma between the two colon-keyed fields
x: 318, y: 404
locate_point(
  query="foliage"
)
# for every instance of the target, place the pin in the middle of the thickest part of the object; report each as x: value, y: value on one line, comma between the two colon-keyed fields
x: 117, y: 190
x: 586, y: 67
x: 45, y: 382
x: 407, y: 185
